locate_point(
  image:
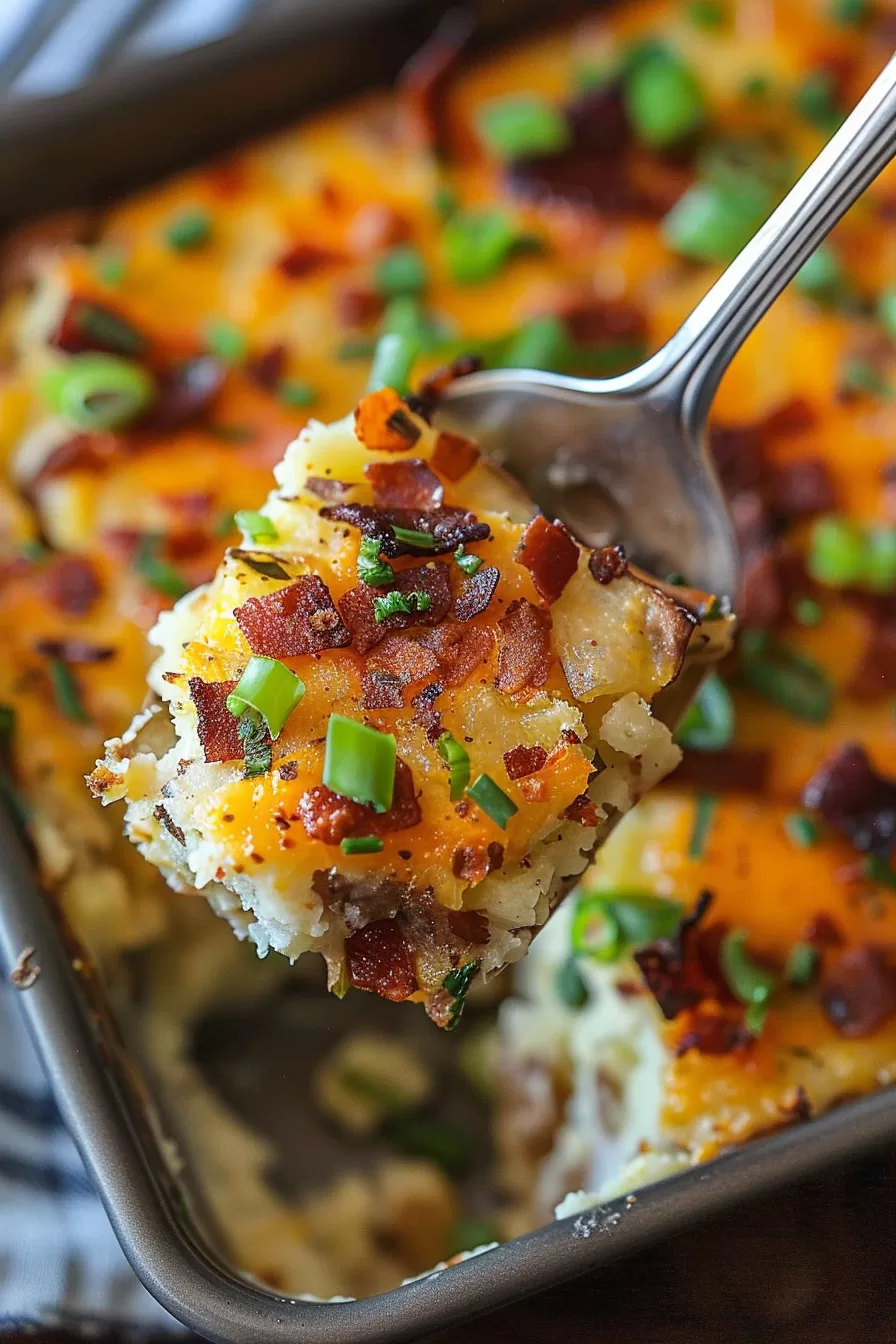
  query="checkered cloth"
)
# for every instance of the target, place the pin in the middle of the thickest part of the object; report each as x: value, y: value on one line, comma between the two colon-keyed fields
x: 60, y: 1263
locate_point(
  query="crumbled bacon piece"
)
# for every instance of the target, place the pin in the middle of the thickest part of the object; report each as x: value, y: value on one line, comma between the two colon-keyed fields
x: 550, y: 554
x: 376, y: 226
x: 823, y: 931
x: 454, y: 455
x: 358, y: 305
x: 733, y: 770
x: 162, y: 816
x: 598, y: 118
x: 304, y: 258
x: 86, y: 325
x: 448, y: 527
x: 794, y: 416
x: 736, y: 451
x: 185, y: 393
x: 423, y: 83
x: 382, y: 690
x: 471, y: 926
x: 672, y: 967
x: 433, y: 388
x: 267, y: 368
x: 325, y: 488
x: 854, y: 799
x: 608, y: 563
x: 582, y: 810
x: 378, y: 958
x: 297, y: 619
x: 217, y: 726
x: 476, y: 591
x: 472, y: 864
x: 82, y: 452
x: 74, y: 650
x: 524, y: 648
x: 425, y: 712
x: 761, y: 600
x: 459, y: 650
x: 875, y: 672
x: 522, y: 761
x: 383, y: 423
x: 712, y: 1033
x: 584, y: 180
x: 801, y: 488
x: 358, y: 611
x: 407, y: 484
x: 405, y: 657
x: 330, y: 818
x: 71, y: 584
x: 859, y: 993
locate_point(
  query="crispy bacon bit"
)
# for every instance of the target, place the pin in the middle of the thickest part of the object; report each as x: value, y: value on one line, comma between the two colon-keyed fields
x: 358, y: 305
x: 377, y: 226
x: 185, y: 393
x: 800, y: 489
x: 74, y: 650
x: 267, y: 368
x: 71, y: 584
x: 598, y: 118
x: 408, y: 484
x: 424, y: 81
x: 713, y: 1033
x: 357, y: 605
x: 459, y: 650
x: 608, y: 563
x: 382, y: 690
x: 81, y: 452
x: 761, y: 600
x: 383, y: 424
x: 433, y: 388
x: 875, y: 672
x: 522, y: 761
x: 217, y: 726
x: 794, y: 416
x: 732, y: 770
x: 330, y: 818
x: 859, y: 993
x: 305, y: 258
x: 333, y: 492
x: 550, y: 554
x: 425, y: 712
x: 854, y: 799
x: 448, y: 527
x: 823, y: 931
x: 405, y: 657
x: 473, y: 863
x: 582, y: 810
x: 170, y: 826
x: 88, y: 325
x: 471, y: 926
x: 454, y: 455
x: 524, y: 648
x: 737, y: 453
x: 378, y: 958
x: 300, y: 618
x: 475, y: 593
x: 672, y: 968
x: 288, y: 771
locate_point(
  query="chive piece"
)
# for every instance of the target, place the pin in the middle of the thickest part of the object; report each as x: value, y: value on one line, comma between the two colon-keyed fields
x: 704, y: 811
x: 262, y: 564
x: 541, y: 343
x: 816, y: 101
x: 606, y: 922
x: 493, y: 801
x: 411, y: 538
x: 457, y: 983
x: 821, y: 276
x: 880, y: 559
x: 65, y: 689
x: 522, y: 124
x: 643, y: 917
x: 851, y: 13
x: 756, y: 87
x: 395, y: 603
x: 861, y: 377
x: 457, y: 758
x: 371, y: 568
x: 257, y: 754
x: 801, y: 830
x: 99, y: 392
x: 359, y: 763
x: 156, y: 572
x: 595, y: 929
x: 471, y: 1233
x: 401, y: 271
x: 802, y: 965
x: 806, y: 611
x: 392, y: 363
x: 754, y: 1017
x: 111, y: 267
x: 297, y: 392
x: 708, y: 724
x: 224, y: 339
x: 422, y: 1136
x: 664, y: 100
x: 886, y: 311
x: 405, y: 316
x: 477, y: 244
x: 356, y: 347
x: 712, y: 223
x: 189, y: 230
x: 361, y: 844
x: 707, y: 13
x: 879, y: 870
x: 837, y: 552
x: 468, y: 563
x: 225, y: 525
x: 109, y: 330
x: 255, y: 525
x: 749, y: 982
x: 444, y: 202
x: 570, y: 986
x: 270, y: 688
x: 785, y: 678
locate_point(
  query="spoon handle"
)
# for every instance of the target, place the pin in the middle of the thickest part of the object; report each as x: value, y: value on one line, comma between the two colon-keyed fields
x: 704, y: 346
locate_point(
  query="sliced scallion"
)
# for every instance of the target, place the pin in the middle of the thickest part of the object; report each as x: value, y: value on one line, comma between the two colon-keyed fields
x: 801, y: 830
x: 98, y: 392
x: 401, y: 271
x: 816, y: 101
x: 822, y: 275
x: 705, y: 805
x: 424, y: 540
x: 713, y: 222
x: 361, y: 844
x: 393, y: 360
x: 255, y: 525
x: 457, y: 758
x: 65, y: 689
x: 395, y: 603
x: 664, y: 100
x: 157, y: 572
x: 785, y: 677
x: 372, y: 569
x: 606, y: 922
x: 297, y: 392
x: 802, y: 965
x: 224, y: 339
x: 477, y: 244
x: 189, y: 230
x: 595, y: 929
x: 837, y: 552
x: 457, y: 983
x: 708, y: 724
x: 540, y: 343
x: 886, y: 311
x: 806, y: 611
x: 269, y: 687
x: 522, y: 124
x: 492, y: 800
x: 253, y: 736
x: 468, y: 563
x: 750, y: 983
x: 359, y: 762
x: 111, y: 267
x: 879, y: 870
x: 570, y: 985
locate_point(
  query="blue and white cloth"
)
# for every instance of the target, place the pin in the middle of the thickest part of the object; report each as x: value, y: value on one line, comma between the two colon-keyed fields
x: 60, y: 1263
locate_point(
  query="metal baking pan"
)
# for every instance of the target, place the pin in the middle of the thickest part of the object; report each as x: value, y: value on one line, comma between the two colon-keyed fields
x: 125, y: 129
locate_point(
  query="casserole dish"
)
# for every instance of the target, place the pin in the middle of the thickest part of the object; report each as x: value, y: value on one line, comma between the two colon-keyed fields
x: 229, y: 1306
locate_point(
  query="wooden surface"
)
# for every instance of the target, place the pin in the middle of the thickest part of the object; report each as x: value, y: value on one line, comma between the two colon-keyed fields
x: 813, y: 1264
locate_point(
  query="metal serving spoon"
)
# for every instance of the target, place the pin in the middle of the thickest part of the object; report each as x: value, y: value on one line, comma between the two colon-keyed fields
x: 625, y: 458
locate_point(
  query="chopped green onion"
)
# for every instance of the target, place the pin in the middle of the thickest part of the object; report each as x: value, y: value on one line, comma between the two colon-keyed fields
x: 111, y: 267
x: 822, y: 275
x: 361, y: 844
x: 712, y: 223
x: 224, y: 339
x: 477, y: 244
x: 405, y: 316
x: 802, y: 965
x: 522, y: 124
x: 444, y: 201
x: 570, y: 985
x: 359, y: 763
x: 606, y: 922
x: 756, y: 87
x: 392, y: 363
x: 189, y: 230
x: 801, y: 830
x: 457, y: 758
x: 356, y: 347
x: 749, y: 982
x: 108, y: 329
x: 395, y: 603
x: 540, y: 343
x: 401, y: 271
x: 371, y: 568
x: 785, y: 677
x: 707, y: 13
x: 441, y: 1143
x: 225, y: 525
x: 97, y: 392
x: 851, y: 13
x: 705, y: 805
x: 493, y: 801
x: 157, y: 572
x: 860, y: 376
x: 880, y: 570
x: 806, y: 611
x: 411, y: 538
x: 297, y: 392
x: 708, y: 724
x: 595, y: 929
x: 471, y: 1233
x: 255, y: 525
x: 886, y: 311
x: 457, y: 983
x: 879, y: 870
x: 755, y: 1015
x: 837, y: 552
x: 257, y: 754
x: 816, y: 100
x: 65, y: 689
x: 269, y: 687
x: 468, y: 563
x: 664, y: 100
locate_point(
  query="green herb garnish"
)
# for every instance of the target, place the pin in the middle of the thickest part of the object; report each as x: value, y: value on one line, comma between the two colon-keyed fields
x: 361, y: 844
x: 99, y: 392
x: 522, y: 124
x: 65, y: 689
x: 155, y: 571
x: 252, y: 733
x: 492, y: 800
x: 269, y: 687
x: 224, y: 339
x: 457, y: 983
x: 708, y: 724
x: 468, y: 563
x: 664, y: 100
x: 372, y: 569
x: 801, y: 830
x: 802, y: 965
x: 256, y: 526
x: 395, y: 603
x: 750, y: 983
x: 359, y: 763
x: 806, y: 611
x: 457, y: 758
x: 705, y: 805
x: 605, y: 923
x: 401, y: 271
x: 297, y: 392
x: 393, y: 360
x: 879, y: 870
x: 409, y: 537
x: 785, y: 677
x: 189, y: 230
x: 477, y: 244
x: 816, y: 101
x: 569, y: 984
